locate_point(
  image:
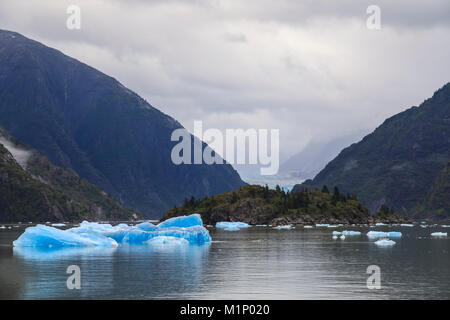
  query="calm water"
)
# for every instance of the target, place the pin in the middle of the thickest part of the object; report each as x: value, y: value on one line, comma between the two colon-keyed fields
x: 257, y: 263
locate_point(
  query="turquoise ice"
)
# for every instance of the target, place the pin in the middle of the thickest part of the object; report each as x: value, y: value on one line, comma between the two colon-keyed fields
x: 90, y: 234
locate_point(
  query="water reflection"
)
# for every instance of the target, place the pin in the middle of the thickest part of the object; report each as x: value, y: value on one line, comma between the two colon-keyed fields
x: 129, y: 271
x: 248, y: 264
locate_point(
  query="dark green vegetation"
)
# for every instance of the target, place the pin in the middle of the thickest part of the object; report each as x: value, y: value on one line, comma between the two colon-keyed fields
x: 436, y: 202
x: 40, y: 191
x: 85, y: 120
x: 399, y: 162
x: 260, y: 205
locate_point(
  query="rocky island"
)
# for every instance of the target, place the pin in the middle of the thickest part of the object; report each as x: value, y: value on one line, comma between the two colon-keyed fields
x: 255, y: 204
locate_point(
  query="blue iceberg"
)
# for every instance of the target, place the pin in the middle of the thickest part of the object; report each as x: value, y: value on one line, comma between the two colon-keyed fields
x: 164, y: 240
x: 146, y: 226
x: 351, y: 233
x: 231, y: 226
x: 45, y: 236
x: 381, y: 234
x: 182, y: 222
x: 189, y: 228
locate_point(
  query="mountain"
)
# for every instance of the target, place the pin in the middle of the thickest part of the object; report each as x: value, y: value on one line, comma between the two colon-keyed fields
x: 436, y: 202
x: 260, y: 205
x: 398, y: 163
x: 33, y: 189
x: 314, y: 157
x: 85, y: 120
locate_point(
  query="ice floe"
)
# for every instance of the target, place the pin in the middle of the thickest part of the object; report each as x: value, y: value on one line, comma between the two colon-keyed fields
x: 439, y: 234
x: 381, y: 234
x: 351, y: 233
x: 231, y: 226
x: 407, y: 225
x: 307, y: 227
x: 58, y: 224
x: 285, y: 227
x: 384, y: 243
x: 189, y: 228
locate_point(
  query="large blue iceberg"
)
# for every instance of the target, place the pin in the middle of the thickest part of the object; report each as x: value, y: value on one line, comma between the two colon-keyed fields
x: 88, y: 234
x: 45, y: 236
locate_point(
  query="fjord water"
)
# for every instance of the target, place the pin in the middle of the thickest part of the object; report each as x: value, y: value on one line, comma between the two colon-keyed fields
x: 253, y: 263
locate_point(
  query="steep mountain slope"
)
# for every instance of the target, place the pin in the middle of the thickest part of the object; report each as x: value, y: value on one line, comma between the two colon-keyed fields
x: 397, y: 163
x: 436, y: 203
x: 83, y: 119
x: 33, y: 189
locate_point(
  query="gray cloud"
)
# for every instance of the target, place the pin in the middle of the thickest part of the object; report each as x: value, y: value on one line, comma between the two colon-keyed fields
x: 310, y: 68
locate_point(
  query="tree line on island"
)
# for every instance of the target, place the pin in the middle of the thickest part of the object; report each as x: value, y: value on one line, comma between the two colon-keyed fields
x: 261, y: 205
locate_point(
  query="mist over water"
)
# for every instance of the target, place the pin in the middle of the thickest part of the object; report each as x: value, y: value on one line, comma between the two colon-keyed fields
x: 253, y: 263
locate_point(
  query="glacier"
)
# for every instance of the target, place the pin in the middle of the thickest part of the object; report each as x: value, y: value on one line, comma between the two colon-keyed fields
x: 88, y: 234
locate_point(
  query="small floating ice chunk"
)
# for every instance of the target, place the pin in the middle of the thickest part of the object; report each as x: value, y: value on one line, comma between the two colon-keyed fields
x: 336, y: 233
x: 58, y: 224
x: 335, y: 237
x: 285, y: 227
x: 322, y: 224
x: 2, y: 227
x: 351, y: 233
x: 182, y: 222
x: 231, y: 226
x: 445, y: 226
x: 166, y: 240
x: 381, y: 234
x: 380, y: 224
x: 332, y: 226
x: 342, y: 237
x: 439, y: 234
x: 384, y: 243
x: 307, y: 227
x: 407, y: 225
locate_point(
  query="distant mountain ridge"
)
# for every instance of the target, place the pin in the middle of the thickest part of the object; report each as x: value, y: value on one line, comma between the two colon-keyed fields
x: 398, y: 163
x: 33, y: 189
x: 83, y: 119
x: 314, y: 157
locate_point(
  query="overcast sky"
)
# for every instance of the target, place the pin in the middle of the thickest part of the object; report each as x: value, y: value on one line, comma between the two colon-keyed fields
x: 309, y: 68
